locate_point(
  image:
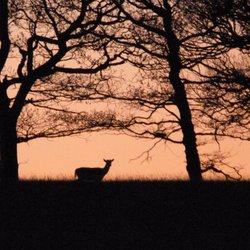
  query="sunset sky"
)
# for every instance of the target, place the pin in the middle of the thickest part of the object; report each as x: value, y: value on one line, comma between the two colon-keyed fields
x: 59, y: 157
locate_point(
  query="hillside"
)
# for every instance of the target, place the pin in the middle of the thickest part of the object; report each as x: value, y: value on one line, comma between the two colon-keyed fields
x: 125, y: 215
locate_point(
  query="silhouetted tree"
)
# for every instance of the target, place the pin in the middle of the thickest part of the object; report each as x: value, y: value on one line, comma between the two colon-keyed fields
x: 48, y: 50
x: 174, y: 48
x: 154, y: 33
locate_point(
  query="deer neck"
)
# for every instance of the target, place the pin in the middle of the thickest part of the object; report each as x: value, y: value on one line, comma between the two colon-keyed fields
x: 107, y: 167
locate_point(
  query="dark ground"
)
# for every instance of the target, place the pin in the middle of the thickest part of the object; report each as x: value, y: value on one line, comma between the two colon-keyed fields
x: 125, y: 215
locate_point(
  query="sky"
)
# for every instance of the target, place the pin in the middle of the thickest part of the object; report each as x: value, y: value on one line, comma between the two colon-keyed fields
x: 58, y: 158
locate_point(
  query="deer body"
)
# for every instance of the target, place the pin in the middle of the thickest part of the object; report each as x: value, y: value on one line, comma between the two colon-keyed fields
x: 93, y: 174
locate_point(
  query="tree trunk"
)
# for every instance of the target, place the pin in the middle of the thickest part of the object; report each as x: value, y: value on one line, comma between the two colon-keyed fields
x: 189, y: 136
x: 8, y: 150
x: 8, y: 135
x: 187, y: 127
x: 8, y: 140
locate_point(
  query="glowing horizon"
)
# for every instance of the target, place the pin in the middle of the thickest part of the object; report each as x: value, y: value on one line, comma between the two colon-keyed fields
x: 58, y: 158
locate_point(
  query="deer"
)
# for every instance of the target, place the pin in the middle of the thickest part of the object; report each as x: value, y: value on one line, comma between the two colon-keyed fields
x: 93, y: 174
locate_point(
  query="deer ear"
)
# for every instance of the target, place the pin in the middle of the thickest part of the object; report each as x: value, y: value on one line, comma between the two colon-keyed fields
x: 104, y: 160
x: 112, y: 159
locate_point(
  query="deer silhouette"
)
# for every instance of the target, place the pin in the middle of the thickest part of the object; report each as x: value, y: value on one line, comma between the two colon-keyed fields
x: 93, y: 174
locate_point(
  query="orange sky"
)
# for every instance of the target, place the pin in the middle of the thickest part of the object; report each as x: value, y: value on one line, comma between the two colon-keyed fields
x: 59, y: 157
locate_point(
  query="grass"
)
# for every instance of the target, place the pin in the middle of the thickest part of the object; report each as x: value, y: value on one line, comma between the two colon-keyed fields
x: 125, y: 215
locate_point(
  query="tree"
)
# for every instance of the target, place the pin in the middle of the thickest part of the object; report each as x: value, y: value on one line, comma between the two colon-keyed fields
x: 48, y: 52
x: 163, y: 38
x: 153, y: 29
x: 225, y: 80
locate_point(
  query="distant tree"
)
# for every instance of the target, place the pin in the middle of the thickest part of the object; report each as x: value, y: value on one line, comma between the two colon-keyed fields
x: 173, y: 49
x: 48, y: 52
